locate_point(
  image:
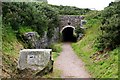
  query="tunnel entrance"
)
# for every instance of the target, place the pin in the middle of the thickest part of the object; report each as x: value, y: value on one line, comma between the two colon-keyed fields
x: 67, y: 35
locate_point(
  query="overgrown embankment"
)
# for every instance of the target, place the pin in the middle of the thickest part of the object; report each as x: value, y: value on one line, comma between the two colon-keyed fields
x: 19, y: 18
x: 10, y: 51
x: 98, y: 48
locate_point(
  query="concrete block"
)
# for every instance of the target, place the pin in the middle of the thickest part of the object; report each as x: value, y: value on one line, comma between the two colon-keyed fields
x: 34, y: 59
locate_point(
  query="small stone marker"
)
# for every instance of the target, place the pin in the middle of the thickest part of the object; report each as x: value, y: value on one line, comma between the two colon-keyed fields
x: 35, y: 59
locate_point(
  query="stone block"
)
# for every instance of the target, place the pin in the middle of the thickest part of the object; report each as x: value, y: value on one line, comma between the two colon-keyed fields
x: 35, y: 60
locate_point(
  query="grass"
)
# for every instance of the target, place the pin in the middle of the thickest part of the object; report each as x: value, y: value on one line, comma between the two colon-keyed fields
x: 104, y: 68
x: 56, y: 51
x: 0, y: 43
x: 24, y: 29
x: 10, y: 51
x: 56, y: 48
x: 10, y: 44
x: 55, y: 55
x: 55, y: 74
x: 0, y: 32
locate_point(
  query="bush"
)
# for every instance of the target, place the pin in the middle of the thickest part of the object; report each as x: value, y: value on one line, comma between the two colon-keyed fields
x: 69, y: 10
x: 26, y: 14
x: 79, y: 30
x: 110, y: 28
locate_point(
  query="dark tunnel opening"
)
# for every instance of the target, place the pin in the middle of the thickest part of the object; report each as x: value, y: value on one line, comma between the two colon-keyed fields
x: 68, y: 36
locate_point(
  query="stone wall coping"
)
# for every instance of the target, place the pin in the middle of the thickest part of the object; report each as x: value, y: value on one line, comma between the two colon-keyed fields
x: 36, y: 50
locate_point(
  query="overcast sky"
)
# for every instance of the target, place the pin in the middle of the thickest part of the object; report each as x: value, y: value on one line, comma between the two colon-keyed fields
x: 97, y: 4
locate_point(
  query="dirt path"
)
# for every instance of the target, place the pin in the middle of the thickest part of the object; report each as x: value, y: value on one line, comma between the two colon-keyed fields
x: 70, y: 65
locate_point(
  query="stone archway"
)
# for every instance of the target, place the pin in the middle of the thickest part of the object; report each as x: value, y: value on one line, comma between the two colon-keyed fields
x: 68, y: 34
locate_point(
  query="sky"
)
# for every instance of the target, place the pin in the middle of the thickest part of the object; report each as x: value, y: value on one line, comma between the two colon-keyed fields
x: 92, y: 4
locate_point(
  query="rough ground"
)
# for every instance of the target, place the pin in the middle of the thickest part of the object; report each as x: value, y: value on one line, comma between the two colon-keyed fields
x: 70, y: 65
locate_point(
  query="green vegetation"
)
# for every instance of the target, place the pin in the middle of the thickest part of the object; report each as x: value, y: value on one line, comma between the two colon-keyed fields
x: 55, y: 74
x: 100, y: 63
x: 10, y: 51
x: 24, y: 29
x: 56, y: 49
x: 110, y: 28
x: 0, y: 32
x: 69, y: 10
x: 26, y: 14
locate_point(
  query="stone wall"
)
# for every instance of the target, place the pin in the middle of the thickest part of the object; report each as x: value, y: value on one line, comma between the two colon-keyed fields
x: 31, y: 39
x: 75, y: 20
x: 35, y: 42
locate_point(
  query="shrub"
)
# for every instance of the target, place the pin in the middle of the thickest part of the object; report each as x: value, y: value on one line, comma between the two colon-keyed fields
x: 110, y: 28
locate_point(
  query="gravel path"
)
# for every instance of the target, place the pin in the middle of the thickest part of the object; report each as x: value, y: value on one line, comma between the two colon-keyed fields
x: 70, y: 65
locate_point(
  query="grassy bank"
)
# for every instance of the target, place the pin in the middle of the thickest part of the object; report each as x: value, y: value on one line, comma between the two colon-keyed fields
x: 10, y: 51
x: 101, y: 65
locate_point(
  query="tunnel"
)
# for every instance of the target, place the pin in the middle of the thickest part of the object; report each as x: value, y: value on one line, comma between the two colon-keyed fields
x: 68, y: 34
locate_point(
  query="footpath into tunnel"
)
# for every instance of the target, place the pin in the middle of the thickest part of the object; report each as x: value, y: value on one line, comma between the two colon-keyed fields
x: 67, y: 27
x: 70, y: 65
